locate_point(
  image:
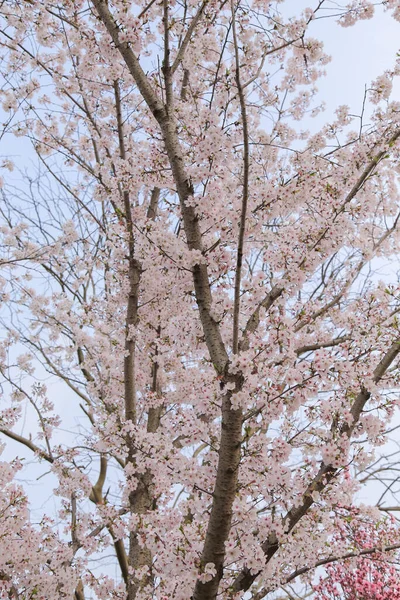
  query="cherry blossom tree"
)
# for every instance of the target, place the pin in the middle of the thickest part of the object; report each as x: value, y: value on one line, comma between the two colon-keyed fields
x: 197, y: 273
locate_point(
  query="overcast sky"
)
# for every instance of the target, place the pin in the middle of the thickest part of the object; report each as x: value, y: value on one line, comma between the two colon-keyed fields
x: 359, y: 54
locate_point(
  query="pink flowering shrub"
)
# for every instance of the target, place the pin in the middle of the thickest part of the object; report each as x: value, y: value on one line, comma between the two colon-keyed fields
x: 368, y: 575
x: 371, y: 578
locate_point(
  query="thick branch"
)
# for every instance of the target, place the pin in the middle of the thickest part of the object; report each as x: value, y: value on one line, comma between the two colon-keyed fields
x: 152, y: 209
x: 166, y: 66
x: 29, y: 444
x: 254, y: 320
x: 138, y: 500
x: 245, y: 192
x: 329, y: 344
x: 96, y: 495
x: 188, y: 37
x: 79, y: 591
x: 224, y: 494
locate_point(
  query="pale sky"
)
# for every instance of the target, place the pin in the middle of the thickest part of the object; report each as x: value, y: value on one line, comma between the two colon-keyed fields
x: 359, y: 54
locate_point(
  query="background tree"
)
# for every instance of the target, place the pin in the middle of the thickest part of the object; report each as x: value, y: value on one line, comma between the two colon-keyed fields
x: 366, y: 573
x: 199, y: 274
